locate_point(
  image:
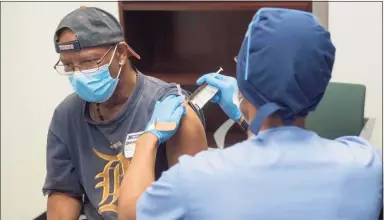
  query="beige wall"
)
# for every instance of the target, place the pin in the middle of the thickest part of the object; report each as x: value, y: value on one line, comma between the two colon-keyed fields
x: 30, y: 90
x: 356, y: 30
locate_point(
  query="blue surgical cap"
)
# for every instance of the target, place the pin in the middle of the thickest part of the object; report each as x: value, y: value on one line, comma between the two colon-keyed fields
x: 284, y: 64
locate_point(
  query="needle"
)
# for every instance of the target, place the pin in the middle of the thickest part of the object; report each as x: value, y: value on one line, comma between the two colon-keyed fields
x: 221, y: 69
x: 179, y: 91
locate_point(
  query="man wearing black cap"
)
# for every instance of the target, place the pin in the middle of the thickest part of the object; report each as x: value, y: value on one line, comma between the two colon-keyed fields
x: 282, y: 171
x: 92, y: 134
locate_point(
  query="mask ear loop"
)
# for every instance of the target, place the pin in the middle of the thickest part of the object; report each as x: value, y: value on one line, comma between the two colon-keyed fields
x: 240, y: 100
x: 110, y: 62
x: 113, y: 55
x: 118, y: 74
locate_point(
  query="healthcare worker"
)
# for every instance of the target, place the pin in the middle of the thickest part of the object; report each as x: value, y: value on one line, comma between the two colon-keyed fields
x: 282, y: 171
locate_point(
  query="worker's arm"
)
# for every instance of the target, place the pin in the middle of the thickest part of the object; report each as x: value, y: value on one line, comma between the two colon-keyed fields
x: 189, y: 139
x: 140, y: 173
x: 166, y: 198
x: 63, y: 207
x: 61, y: 184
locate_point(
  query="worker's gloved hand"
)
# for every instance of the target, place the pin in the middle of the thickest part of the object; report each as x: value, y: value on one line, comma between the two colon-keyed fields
x: 166, y: 118
x: 227, y: 94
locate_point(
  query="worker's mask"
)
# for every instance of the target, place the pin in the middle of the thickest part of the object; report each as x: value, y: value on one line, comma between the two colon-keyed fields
x: 97, y: 85
x: 237, y: 101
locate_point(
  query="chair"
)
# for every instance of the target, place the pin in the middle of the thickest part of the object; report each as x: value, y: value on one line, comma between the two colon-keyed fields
x: 341, y: 113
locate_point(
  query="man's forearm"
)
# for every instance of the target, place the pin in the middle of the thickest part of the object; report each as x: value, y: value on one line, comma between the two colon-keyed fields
x: 138, y: 177
x: 63, y: 207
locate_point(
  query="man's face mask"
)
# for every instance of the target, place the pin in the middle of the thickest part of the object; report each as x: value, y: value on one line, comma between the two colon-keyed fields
x: 97, y: 86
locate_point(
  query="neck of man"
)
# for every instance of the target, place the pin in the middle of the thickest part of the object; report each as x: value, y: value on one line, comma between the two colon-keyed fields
x: 125, y: 87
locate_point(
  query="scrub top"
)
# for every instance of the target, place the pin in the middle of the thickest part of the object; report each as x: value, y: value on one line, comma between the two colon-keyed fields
x: 282, y: 173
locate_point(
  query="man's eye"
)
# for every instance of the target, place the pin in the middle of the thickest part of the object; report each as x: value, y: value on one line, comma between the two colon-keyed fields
x: 88, y: 64
x: 61, y: 63
x: 90, y: 61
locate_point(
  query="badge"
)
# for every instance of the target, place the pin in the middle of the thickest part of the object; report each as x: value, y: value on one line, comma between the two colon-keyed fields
x: 130, y: 144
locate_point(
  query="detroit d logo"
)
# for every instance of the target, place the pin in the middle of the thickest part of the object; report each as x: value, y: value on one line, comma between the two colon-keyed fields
x: 110, y: 178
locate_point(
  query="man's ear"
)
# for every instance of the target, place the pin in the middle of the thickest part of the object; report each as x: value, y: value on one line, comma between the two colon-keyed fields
x: 124, y: 51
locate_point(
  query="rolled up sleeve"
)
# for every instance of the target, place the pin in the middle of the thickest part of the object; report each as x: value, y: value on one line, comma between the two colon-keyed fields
x: 61, y: 176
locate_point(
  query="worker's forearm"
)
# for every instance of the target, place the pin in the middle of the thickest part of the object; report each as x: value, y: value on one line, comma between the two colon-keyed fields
x: 63, y: 207
x: 139, y: 175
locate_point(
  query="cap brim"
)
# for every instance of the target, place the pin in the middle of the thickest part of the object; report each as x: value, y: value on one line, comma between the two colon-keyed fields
x: 133, y: 53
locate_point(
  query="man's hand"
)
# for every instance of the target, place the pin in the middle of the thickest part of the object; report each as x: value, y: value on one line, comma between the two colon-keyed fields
x: 166, y: 118
x: 226, y: 97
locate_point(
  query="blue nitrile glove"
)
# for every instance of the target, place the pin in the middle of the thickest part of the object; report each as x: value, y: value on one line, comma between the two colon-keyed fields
x: 171, y: 109
x: 227, y: 94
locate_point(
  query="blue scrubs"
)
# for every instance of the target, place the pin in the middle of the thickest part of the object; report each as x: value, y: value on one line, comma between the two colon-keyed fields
x: 282, y: 173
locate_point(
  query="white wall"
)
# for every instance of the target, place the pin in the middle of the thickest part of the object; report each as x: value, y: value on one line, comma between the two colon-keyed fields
x: 356, y: 30
x: 30, y: 90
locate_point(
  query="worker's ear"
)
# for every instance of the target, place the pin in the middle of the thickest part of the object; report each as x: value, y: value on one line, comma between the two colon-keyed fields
x: 246, y: 108
x: 124, y: 51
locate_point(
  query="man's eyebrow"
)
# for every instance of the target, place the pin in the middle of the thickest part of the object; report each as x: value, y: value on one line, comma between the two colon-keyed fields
x: 84, y: 56
x: 90, y: 55
x: 64, y: 61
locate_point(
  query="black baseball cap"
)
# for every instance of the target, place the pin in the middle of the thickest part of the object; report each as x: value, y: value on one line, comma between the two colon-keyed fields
x: 93, y: 27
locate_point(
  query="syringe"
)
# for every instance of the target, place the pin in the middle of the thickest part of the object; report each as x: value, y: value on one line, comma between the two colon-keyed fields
x: 204, y: 93
x: 180, y: 93
x: 221, y: 69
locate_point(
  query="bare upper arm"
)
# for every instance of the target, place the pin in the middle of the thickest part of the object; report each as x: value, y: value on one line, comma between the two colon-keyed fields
x: 189, y: 139
x: 62, y: 206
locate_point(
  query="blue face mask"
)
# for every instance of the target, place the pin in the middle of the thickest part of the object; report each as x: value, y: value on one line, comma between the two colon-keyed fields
x: 96, y: 86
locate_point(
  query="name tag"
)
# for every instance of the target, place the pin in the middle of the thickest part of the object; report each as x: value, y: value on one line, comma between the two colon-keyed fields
x: 130, y: 144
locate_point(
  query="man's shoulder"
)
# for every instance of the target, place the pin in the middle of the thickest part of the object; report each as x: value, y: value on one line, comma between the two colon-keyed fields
x: 163, y: 89
x: 68, y: 109
x: 155, y: 81
x: 152, y: 82
x: 70, y: 103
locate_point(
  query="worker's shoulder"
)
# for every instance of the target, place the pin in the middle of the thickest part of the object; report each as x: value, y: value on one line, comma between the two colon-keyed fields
x: 212, y: 161
x: 355, y: 141
x: 355, y: 151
